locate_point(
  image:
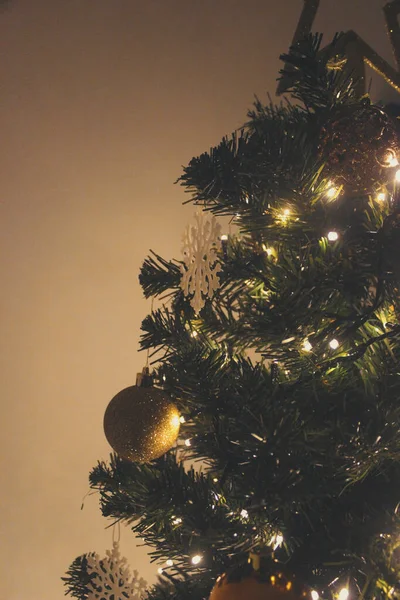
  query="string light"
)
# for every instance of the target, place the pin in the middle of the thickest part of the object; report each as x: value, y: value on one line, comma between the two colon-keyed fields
x: 197, y: 558
x: 224, y: 238
x: 268, y: 251
x: 169, y: 562
x: 343, y: 594
x: 215, y: 479
x: 314, y: 595
x: 188, y: 443
x: 307, y: 347
x: 160, y: 571
x: 392, y: 160
x: 334, y: 344
x: 244, y: 514
x: 181, y: 419
x: 381, y: 197
x: 176, y: 521
x: 333, y: 236
x: 332, y: 191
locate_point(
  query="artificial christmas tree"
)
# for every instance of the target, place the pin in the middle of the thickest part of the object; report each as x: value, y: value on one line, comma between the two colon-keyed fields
x: 298, y: 448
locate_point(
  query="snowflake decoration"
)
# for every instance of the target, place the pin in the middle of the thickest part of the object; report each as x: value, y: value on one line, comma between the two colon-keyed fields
x: 199, y: 273
x: 112, y: 579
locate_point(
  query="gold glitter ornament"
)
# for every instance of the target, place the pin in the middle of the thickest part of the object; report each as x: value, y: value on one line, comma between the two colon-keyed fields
x: 254, y: 586
x: 141, y: 423
x: 360, y: 147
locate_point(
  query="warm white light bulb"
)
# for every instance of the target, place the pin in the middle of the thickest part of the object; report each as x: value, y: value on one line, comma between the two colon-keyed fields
x: 169, y: 562
x: 188, y: 443
x: 176, y: 521
x: 333, y: 236
x: 314, y: 595
x: 181, y: 419
x: 397, y: 176
x: 331, y: 192
x: 307, y: 347
x: 159, y: 571
x: 393, y: 162
x: 197, y: 558
x: 381, y: 197
x: 224, y: 237
x: 334, y: 344
x: 215, y: 479
x: 244, y: 514
x: 343, y: 594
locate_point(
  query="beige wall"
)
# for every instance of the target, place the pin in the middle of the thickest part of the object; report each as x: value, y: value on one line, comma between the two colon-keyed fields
x: 101, y: 101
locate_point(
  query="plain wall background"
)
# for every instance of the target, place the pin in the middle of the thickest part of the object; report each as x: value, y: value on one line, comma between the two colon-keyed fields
x: 101, y: 103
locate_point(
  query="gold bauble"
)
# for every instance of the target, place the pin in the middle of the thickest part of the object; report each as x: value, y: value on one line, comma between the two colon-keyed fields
x: 359, y: 146
x: 141, y: 423
x: 255, y: 587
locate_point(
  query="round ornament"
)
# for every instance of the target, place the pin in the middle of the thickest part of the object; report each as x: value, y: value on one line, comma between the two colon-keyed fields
x: 360, y: 147
x: 256, y: 587
x: 141, y: 423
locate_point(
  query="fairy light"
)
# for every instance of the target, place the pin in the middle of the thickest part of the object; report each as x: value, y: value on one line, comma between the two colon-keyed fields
x: 224, y: 238
x: 381, y: 197
x: 160, y: 571
x: 176, y: 521
x: 332, y: 191
x: 307, y: 346
x: 215, y: 479
x: 197, y: 558
x: 268, y: 251
x: 314, y: 595
x: 343, y: 594
x: 333, y: 236
x: 181, y: 419
x: 188, y: 442
x: 169, y: 562
x: 244, y: 514
x: 392, y: 160
x: 334, y: 344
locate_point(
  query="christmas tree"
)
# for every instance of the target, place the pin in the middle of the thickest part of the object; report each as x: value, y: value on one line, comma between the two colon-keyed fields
x: 279, y: 346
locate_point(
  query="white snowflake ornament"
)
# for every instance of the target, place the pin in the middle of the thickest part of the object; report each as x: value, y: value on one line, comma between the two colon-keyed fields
x: 113, y: 579
x: 201, y: 264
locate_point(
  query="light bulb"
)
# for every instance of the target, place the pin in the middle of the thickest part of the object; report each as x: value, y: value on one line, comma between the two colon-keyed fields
x: 181, y: 419
x: 334, y: 344
x: 169, y: 562
x: 381, y: 197
x: 244, y: 514
x: 197, y: 558
x: 159, y: 571
x: 343, y: 594
x: 314, y: 595
x: 333, y: 236
x: 176, y: 520
x: 307, y: 347
x: 332, y: 191
x: 397, y: 176
x: 224, y: 237
x: 392, y: 160
x: 188, y: 443
x: 215, y: 479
